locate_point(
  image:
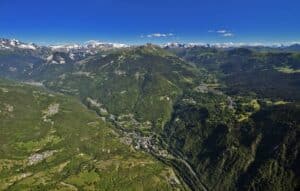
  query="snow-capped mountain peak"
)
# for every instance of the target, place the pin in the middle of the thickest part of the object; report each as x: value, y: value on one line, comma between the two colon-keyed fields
x: 181, y: 45
x: 98, y: 44
x: 13, y: 44
x: 66, y: 47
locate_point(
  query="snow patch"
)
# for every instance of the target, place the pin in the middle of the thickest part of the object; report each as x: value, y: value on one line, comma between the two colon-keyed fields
x: 27, y: 46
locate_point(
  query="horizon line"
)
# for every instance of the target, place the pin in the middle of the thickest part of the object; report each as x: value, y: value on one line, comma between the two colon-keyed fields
x: 196, y: 43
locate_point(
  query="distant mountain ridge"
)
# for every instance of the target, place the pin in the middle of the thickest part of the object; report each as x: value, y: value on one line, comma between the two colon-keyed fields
x: 13, y: 43
x: 90, y: 47
x: 94, y: 45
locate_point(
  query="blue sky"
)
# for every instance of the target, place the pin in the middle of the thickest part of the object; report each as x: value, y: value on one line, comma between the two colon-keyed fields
x: 157, y: 21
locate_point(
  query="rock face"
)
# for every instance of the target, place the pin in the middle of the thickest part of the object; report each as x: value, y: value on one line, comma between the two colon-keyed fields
x: 38, y: 157
x: 49, y: 112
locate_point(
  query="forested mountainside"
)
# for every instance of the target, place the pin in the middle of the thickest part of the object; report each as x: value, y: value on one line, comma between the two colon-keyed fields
x: 222, y: 119
x: 244, y: 71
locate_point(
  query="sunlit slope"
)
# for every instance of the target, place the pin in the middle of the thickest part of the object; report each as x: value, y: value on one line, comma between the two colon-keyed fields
x: 143, y: 82
x: 52, y: 142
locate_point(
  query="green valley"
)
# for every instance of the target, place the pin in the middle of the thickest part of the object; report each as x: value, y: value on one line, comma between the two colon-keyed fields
x: 51, y: 141
x: 150, y: 118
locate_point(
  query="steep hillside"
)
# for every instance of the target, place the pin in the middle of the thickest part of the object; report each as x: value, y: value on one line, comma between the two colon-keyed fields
x: 259, y: 153
x: 50, y: 141
x: 140, y: 83
x: 18, y: 64
x: 244, y: 71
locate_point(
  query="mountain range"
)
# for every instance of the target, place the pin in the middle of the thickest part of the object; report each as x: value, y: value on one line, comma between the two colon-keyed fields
x: 172, y: 117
